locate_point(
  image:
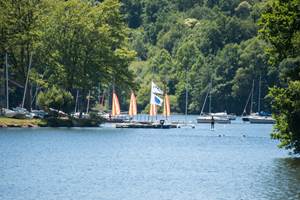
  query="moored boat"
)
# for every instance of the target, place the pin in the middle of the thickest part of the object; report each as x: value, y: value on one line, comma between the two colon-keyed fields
x: 260, y: 117
x: 208, y: 119
x: 8, y: 113
x: 21, y: 113
x: 40, y: 114
x: 261, y: 120
x: 122, y: 118
x: 245, y: 118
x: 219, y: 117
x: 224, y: 115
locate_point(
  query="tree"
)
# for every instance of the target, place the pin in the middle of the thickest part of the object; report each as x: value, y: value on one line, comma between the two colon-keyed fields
x: 226, y: 63
x: 132, y: 9
x: 183, y: 5
x: 56, y: 98
x: 280, y: 24
x: 170, y: 39
x: 20, y: 36
x: 243, y: 9
x: 289, y: 69
x: 137, y: 42
x: 86, y: 43
x: 207, y: 35
x: 286, y: 107
x: 186, y: 56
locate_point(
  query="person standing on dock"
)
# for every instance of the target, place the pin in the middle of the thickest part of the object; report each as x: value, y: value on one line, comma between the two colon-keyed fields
x: 212, y: 123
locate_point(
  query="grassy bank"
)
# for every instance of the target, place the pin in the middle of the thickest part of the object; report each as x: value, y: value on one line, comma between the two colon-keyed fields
x: 11, y: 122
x: 50, y: 122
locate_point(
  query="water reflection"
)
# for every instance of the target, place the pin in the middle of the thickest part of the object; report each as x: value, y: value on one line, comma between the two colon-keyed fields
x: 284, y: 179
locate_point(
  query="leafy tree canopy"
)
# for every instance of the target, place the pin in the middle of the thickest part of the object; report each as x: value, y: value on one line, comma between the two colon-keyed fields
x: 280, y: 26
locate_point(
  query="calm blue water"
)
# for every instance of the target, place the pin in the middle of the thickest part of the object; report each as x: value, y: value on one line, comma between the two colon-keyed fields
x: 127, y: 164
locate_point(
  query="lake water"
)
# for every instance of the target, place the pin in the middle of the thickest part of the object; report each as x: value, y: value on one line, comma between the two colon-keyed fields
x: 236, y: 161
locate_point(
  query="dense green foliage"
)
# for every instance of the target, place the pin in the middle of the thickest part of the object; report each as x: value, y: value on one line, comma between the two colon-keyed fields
x: 75, y: 45
x: 55, y: 98
x: 198, y: 41
x: 281, y: 28
x: 286, y: 107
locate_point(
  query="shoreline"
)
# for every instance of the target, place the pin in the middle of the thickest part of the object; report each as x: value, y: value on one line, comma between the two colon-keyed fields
x: 6, y: 122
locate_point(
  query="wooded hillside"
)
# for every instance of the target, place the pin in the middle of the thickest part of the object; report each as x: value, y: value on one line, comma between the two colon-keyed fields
x: 213, y: 40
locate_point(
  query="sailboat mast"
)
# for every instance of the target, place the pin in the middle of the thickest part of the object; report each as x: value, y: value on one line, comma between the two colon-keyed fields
x: 112, y: 96
x: 244, y: 111
x: 76, y: 101
x: 7, y: 94
x: 186, y: 95
x: 259, y: 93
x: 26, y: 83
x: 88, y: 103
x: 251, y: 105
x: 210, y: 87
x: 204, y: 102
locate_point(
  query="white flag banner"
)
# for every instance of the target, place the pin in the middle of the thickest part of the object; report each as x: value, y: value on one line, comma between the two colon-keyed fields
x: 156, y: 100
x: 155, y: 89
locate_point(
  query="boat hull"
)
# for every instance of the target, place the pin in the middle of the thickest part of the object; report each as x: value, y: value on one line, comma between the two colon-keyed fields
x: 245, y: 119
x: 261, y: 120
x: 224, y: 115
x: 9, y: 113
x: 206, y: 120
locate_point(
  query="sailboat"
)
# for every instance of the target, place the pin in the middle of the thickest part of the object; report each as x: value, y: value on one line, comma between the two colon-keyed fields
x: 246, y: 117
x: 115, y: 111
x: 18, y: 112
x: 132, y: 106
x: 116, y: 116
x: 21, y: 112
x: 155, y: 100
x: 224, y: 115
x: 259, y: 118
x: 207, y: 118
x: 166, y: 112
x: 6, y: 111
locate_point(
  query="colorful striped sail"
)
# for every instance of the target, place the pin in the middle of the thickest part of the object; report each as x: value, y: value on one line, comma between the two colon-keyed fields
x: 115, y: 105
x: 132, y: 105
x: 153, y: 111
x: 166, y: 106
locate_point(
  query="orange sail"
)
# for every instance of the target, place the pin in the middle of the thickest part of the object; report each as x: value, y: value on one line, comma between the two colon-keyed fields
x: 132, y: 105
x: 166, y: 106
x: 115, y: 106
x: 152, y: 110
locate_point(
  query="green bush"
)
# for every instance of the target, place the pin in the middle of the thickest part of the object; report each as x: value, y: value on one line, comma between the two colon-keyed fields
x: 56, y: 98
